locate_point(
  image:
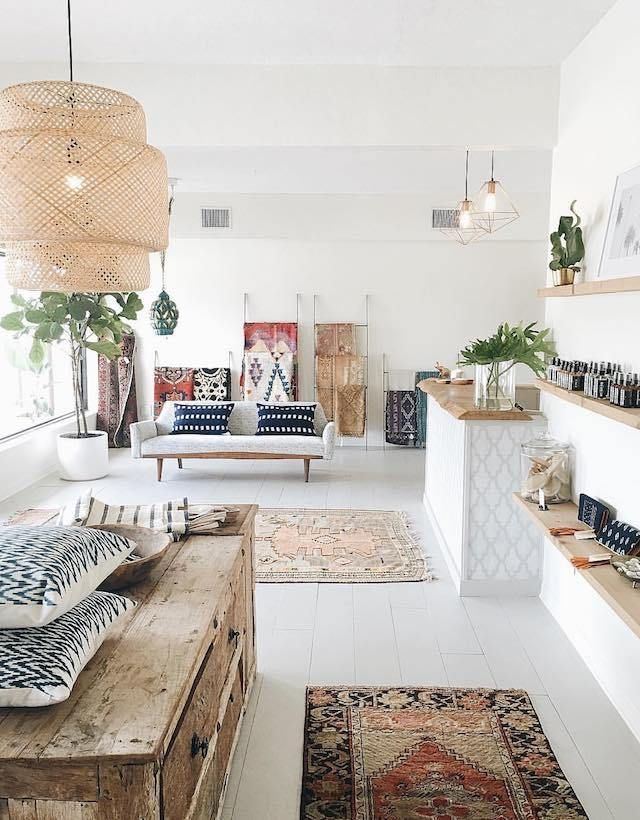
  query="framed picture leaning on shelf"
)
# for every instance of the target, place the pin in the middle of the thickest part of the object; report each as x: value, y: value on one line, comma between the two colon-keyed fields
x: 621, y: 249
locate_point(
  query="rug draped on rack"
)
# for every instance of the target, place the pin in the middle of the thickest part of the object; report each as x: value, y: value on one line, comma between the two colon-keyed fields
x: 341, y: 378
x: 400, y: 417
x: 117, y: 401
x: 269, y: 365
x: 421, y: 406
x: 190, y: 384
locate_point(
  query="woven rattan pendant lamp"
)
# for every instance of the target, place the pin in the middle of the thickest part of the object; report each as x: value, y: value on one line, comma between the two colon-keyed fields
x: 83, y: 198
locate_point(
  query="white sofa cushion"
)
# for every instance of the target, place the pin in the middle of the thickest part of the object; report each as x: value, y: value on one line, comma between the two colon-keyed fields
x: 168, y: 445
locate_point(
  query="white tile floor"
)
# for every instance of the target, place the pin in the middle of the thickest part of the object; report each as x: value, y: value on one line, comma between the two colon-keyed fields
x: 420, y: 634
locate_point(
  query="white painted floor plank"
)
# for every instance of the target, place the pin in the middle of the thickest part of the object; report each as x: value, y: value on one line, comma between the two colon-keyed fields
x: 468, y: 670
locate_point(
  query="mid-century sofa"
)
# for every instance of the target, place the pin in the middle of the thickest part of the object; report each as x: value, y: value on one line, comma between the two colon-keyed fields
x: 154, y: 439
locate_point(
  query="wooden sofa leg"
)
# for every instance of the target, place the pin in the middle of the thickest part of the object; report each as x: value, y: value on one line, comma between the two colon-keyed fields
x: 307, y: 464
x: 179, y: 463
x: 159, y: 462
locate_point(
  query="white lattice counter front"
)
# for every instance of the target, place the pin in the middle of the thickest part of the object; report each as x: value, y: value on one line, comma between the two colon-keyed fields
x: 472, y: 468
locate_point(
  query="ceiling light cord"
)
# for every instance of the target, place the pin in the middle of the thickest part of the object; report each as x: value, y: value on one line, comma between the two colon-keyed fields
x: 492, y: 156
x: 466, y: 177
x: 70, y: 41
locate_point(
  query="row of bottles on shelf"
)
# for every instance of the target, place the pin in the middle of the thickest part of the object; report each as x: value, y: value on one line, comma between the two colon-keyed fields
x: 599, y: 380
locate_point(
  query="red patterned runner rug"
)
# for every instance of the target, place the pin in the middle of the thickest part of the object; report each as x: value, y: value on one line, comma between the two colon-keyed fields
x: 403, y: 753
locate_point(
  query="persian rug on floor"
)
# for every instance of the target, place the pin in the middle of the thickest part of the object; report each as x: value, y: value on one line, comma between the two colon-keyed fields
x: 393, y: 754
x: 400, y: 417
x: 336, y: 546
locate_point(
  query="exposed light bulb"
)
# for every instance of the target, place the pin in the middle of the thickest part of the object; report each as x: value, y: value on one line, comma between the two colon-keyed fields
x: 465, y: 219
x: 490, y: 199
x: 74, y: 182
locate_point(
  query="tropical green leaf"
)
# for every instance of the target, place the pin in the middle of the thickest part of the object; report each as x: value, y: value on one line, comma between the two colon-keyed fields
x: 18, y: 300
x: 12, y: 321
x: 78, y: 310
x: 35, y: 316
x: 37, y: 353
x: 109, y: 350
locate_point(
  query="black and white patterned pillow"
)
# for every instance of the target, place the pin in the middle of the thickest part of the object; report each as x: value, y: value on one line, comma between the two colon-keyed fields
x: 45, y: 571
x: 286, y: 420
x: 39, y: 665
x: 210, y: 419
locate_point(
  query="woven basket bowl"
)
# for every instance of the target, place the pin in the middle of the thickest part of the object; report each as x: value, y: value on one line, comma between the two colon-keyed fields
x: 150, y: 546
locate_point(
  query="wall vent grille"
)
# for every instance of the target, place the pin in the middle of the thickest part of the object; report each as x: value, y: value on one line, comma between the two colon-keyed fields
x: 444, y: 218
x: 215, y: 217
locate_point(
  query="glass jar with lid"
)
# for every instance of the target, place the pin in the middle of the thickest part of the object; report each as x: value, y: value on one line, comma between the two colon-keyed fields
x: 546, y: 466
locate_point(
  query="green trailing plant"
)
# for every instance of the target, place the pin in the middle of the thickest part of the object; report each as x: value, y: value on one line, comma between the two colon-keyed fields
x: 507, y: 347
x: 567, y: 247
x: 82, y: 321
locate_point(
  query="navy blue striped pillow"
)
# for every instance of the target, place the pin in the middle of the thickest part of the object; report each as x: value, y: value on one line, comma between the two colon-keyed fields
x: 286, y: 420
x: 202, y: 419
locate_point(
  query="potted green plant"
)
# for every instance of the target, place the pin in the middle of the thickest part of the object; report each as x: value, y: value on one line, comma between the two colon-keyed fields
x: 82, y: 321
x: 567, y: 248
x: 495, y: 359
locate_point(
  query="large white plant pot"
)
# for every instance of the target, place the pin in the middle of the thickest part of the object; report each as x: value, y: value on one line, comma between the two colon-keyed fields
x: 83, y: 459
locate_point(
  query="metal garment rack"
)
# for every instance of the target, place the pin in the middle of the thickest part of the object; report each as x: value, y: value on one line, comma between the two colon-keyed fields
x: 245, y: 308
x: 386, y: 373
x: 364, y: 325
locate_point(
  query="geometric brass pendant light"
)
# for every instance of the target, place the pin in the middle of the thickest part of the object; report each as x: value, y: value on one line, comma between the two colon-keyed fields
x: 494, y: 208
x: 83, y: 198
x: 462, y: 226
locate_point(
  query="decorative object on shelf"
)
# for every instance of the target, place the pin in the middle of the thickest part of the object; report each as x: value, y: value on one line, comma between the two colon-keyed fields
x: 620, y: 537
x: 444, y: 373
x: 629, y: 569
x: 336, y: 546
x: 171, y: 384
x: 83, y: 198
x: 567, y: 249
x: 164, y: 312
x: 269, y: 371
x: 545, y: 468
x: 463, y: 227
x: 596, y: 380
x: 621, y: 250
x: 83, y: 321
x: 429, y: 752
x: 592, y: 512
x: 495, y: 359
x: 117, y: 400
x: 495, y: 209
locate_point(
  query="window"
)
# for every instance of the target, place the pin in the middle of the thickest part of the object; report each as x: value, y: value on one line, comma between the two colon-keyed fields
x: 30, y: 396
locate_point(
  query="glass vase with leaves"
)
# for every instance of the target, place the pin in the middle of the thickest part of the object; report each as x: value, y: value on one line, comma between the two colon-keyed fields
x: 496, y: 357
x: 82, y: 321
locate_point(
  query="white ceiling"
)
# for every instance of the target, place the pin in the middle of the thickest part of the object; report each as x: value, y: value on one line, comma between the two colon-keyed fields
x: 379, y: 32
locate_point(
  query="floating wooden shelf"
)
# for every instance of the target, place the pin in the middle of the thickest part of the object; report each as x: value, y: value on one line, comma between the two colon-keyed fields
x: 593, y: 286
x: 623, y: 415
x: 609, y: 584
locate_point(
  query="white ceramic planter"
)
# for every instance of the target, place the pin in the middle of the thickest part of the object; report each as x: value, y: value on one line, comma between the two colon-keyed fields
x: 83, y: 459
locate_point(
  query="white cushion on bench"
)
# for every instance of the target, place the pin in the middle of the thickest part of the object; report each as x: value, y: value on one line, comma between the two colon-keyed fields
x: 192, y: 443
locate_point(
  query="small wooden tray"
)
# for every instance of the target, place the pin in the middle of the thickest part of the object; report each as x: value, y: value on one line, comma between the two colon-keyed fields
x: 150, y: 546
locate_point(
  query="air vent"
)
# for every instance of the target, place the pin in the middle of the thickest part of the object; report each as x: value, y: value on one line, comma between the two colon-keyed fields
x: 216, y: 217
x: 444, y: 218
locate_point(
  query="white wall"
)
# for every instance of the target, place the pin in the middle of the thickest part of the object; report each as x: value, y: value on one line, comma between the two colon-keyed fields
x: 599, y: 123
x: 428, y: 296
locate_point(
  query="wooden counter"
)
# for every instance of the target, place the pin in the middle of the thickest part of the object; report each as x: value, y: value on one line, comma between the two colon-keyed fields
x: 458, y: 401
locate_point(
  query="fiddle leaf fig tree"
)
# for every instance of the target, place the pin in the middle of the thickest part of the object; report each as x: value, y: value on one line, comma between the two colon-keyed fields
x: 82, y: 321
x: 567, y: 246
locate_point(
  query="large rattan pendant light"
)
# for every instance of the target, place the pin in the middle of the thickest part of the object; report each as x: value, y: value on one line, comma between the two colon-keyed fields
x: 164, y: 312
x: 494, y: 208
x: 83, y: 198
x: 463, y: 228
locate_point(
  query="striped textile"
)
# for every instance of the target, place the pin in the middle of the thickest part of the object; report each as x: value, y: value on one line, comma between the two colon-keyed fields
x: 88, y: 511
